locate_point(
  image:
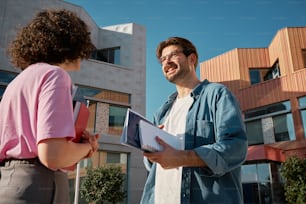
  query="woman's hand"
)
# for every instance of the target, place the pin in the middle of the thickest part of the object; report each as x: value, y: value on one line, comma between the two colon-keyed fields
x: 93, y: 140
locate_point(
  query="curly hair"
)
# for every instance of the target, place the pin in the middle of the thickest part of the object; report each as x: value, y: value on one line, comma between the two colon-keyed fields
x: 53, y: 37
x: 186, y: 45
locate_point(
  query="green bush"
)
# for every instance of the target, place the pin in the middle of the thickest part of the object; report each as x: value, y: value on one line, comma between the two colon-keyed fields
x: 294, y: 172
x: 103, y: 184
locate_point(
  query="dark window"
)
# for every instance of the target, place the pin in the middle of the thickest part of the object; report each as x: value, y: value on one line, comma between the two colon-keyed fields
x: 304, y: 57
x: 254, y: 132
x: 116, y: 116
x: 258, y: 75
x: 113, y: 158
x: 281, y: 115
x: 282, y: 125
x: 302, y: 104
x: 110, y: 55
x: 284, y: 106
x: 275, y: 70
x: 86, y: 91
x: 5, y: 79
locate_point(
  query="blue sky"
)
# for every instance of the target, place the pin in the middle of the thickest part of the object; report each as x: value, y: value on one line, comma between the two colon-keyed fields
x: 214, y: 26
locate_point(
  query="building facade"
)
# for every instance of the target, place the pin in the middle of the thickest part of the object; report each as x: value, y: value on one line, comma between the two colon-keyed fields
x: 113, y: 80
x: 270, y: 84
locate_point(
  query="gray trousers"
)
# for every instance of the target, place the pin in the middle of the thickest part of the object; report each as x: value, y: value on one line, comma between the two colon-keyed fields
x: 28, y: 181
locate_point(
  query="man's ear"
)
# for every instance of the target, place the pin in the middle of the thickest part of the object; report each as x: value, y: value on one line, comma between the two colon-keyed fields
x: 193, y: 58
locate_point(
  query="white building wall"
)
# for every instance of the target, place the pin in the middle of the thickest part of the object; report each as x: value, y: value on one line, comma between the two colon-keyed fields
x: 129, y: 77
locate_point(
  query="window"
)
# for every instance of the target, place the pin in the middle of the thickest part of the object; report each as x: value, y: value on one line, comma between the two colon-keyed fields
x: 117, y: 158
x: 275, y: 70
x: 304, y: 57
x: 116, y: 119
x: 254, y: 132
x: 110, y: 55
x: 269, y: 109
x: 2, y: 89
x: 86, y: 91
x: 113, y: 158
x: 5, y: 79
x: 282, y: 126
x: 258, y: 75
x: 107, y: 108
x: 256, y: 181
x: 302, y: 104
x: 262, y: 183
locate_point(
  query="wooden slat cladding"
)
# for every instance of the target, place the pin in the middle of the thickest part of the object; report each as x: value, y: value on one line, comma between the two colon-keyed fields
x: 223, y: 68
x: 273, y: 91
x: 287, y: 46
x: 297, y: 42
x: 114, y: 96
x: 232, y: 69
x: 251, y: 58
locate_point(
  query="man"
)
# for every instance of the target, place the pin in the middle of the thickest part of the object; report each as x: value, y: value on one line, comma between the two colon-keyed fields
x: 208, y: 119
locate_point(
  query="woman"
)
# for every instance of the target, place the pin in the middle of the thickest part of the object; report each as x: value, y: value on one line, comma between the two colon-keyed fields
x: 36, y: 123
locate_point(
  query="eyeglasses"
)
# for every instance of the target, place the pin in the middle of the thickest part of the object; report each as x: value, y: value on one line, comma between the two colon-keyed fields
x: 172, y: 54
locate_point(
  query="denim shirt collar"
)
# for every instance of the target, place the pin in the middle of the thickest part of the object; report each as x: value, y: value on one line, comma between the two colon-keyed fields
x: 164, y: 110
x: 194, y: 93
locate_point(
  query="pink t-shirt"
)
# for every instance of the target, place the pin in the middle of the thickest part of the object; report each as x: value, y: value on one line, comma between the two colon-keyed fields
x: 36, y: 105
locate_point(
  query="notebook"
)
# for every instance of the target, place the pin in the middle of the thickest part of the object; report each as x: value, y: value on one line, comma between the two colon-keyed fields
x: 81, y: 115
x: 130, y: 133
x: 147, y: 136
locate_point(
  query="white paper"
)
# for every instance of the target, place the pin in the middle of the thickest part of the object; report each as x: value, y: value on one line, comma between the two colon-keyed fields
x: 148, y: 133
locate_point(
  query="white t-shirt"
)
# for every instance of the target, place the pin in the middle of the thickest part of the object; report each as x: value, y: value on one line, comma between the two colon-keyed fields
x: 168, y: 181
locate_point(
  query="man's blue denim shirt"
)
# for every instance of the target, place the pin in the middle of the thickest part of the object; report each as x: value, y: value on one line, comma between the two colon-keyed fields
x: 216, y: 132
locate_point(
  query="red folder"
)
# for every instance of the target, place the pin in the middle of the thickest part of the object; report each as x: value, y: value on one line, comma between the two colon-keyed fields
x: 81, y: 117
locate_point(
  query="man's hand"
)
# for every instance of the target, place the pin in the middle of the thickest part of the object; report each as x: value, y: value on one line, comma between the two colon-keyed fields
x: 170, y: 158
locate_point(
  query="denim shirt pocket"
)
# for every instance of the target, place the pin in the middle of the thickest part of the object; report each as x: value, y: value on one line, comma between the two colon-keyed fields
x: 204, y: 133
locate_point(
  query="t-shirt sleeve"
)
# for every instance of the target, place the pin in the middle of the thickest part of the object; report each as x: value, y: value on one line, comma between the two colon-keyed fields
x: 54, y: 111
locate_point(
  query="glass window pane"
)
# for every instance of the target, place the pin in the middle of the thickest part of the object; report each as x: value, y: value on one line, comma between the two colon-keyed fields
x: 117, y: 56
x: 111, y: 56
x: 102, y: 55
x: 86, y: 91
x: 249, y: 173
x: 2, y: 89
x: 302, y: 101
x: 283, y: 127
x: 116, y: 119
x: 263, y: 172
x: 113, y: 158
x: 304, y: 57
x: 264, y: 191
x: 250, y: 193
x: 254, y: 76
x: 273, y: 108
x: 116, y: 116
x: 254, y: 132
x: 7, y: 77
x: 303, y: 113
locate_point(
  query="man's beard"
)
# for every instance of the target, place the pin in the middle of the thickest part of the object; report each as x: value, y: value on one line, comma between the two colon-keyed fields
x: 178, y: 76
